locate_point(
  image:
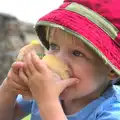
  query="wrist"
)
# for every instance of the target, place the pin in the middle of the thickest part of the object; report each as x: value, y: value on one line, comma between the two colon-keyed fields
x: 46, y: 100
x: 52, y: 110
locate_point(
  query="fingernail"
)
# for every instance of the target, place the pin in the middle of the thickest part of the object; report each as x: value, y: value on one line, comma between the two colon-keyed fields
x: 13, y: 64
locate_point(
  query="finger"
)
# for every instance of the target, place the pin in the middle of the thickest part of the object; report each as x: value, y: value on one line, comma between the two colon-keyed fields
x: 23, y: 77
x: 66, y: 83
x: 29, y: 63
x: 39, y: 65
x: 26, y: 71
x: 16, y: 66
x: 12, y: 76
x: 18, y: 87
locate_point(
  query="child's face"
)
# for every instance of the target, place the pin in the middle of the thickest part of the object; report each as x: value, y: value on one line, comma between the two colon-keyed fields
x: 83, y: 64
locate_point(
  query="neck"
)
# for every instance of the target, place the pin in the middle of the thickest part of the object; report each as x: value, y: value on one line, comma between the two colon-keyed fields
x: 73, y: 106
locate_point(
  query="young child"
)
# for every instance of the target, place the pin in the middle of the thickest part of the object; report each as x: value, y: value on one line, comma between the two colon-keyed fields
x: 85, y: 35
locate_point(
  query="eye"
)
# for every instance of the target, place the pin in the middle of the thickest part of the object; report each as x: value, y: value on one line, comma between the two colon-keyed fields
x: 53, y: 46
x: 77, y: 53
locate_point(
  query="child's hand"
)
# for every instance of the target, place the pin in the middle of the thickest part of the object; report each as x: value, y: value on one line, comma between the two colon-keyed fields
x: 43, y: 84
x: 13, y: 83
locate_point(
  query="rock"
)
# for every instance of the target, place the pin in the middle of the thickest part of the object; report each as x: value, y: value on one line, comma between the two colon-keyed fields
x: 14, y: 34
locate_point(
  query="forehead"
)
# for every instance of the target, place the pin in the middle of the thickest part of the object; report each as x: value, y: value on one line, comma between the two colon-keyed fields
x: 58, y: 35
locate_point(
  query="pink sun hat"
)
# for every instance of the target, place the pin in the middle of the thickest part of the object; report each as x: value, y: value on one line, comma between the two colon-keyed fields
x: 95, y: 22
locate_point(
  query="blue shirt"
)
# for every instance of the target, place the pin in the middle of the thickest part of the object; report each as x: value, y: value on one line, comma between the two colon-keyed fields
x: 106, y: 107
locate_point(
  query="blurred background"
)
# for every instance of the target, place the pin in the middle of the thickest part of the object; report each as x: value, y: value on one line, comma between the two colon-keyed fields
x: 17, y: 19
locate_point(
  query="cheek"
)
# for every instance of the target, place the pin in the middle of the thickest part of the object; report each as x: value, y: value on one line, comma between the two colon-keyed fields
x: 83, y: 70
x: 88, y: 78
x: 87, y: 86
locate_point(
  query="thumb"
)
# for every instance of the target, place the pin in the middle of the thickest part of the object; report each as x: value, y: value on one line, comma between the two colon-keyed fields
x: 68, y: 82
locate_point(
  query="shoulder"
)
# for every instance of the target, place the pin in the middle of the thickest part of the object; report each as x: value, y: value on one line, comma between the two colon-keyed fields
x: 110, y: 108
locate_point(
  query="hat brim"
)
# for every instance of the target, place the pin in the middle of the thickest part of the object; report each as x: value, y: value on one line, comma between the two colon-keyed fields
x: 79, y: 26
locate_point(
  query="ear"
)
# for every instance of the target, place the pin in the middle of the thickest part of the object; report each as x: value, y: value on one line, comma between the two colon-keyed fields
x: 112, y: 75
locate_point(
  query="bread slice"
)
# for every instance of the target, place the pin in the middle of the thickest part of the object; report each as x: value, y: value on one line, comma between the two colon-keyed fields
x: 56, y: 65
